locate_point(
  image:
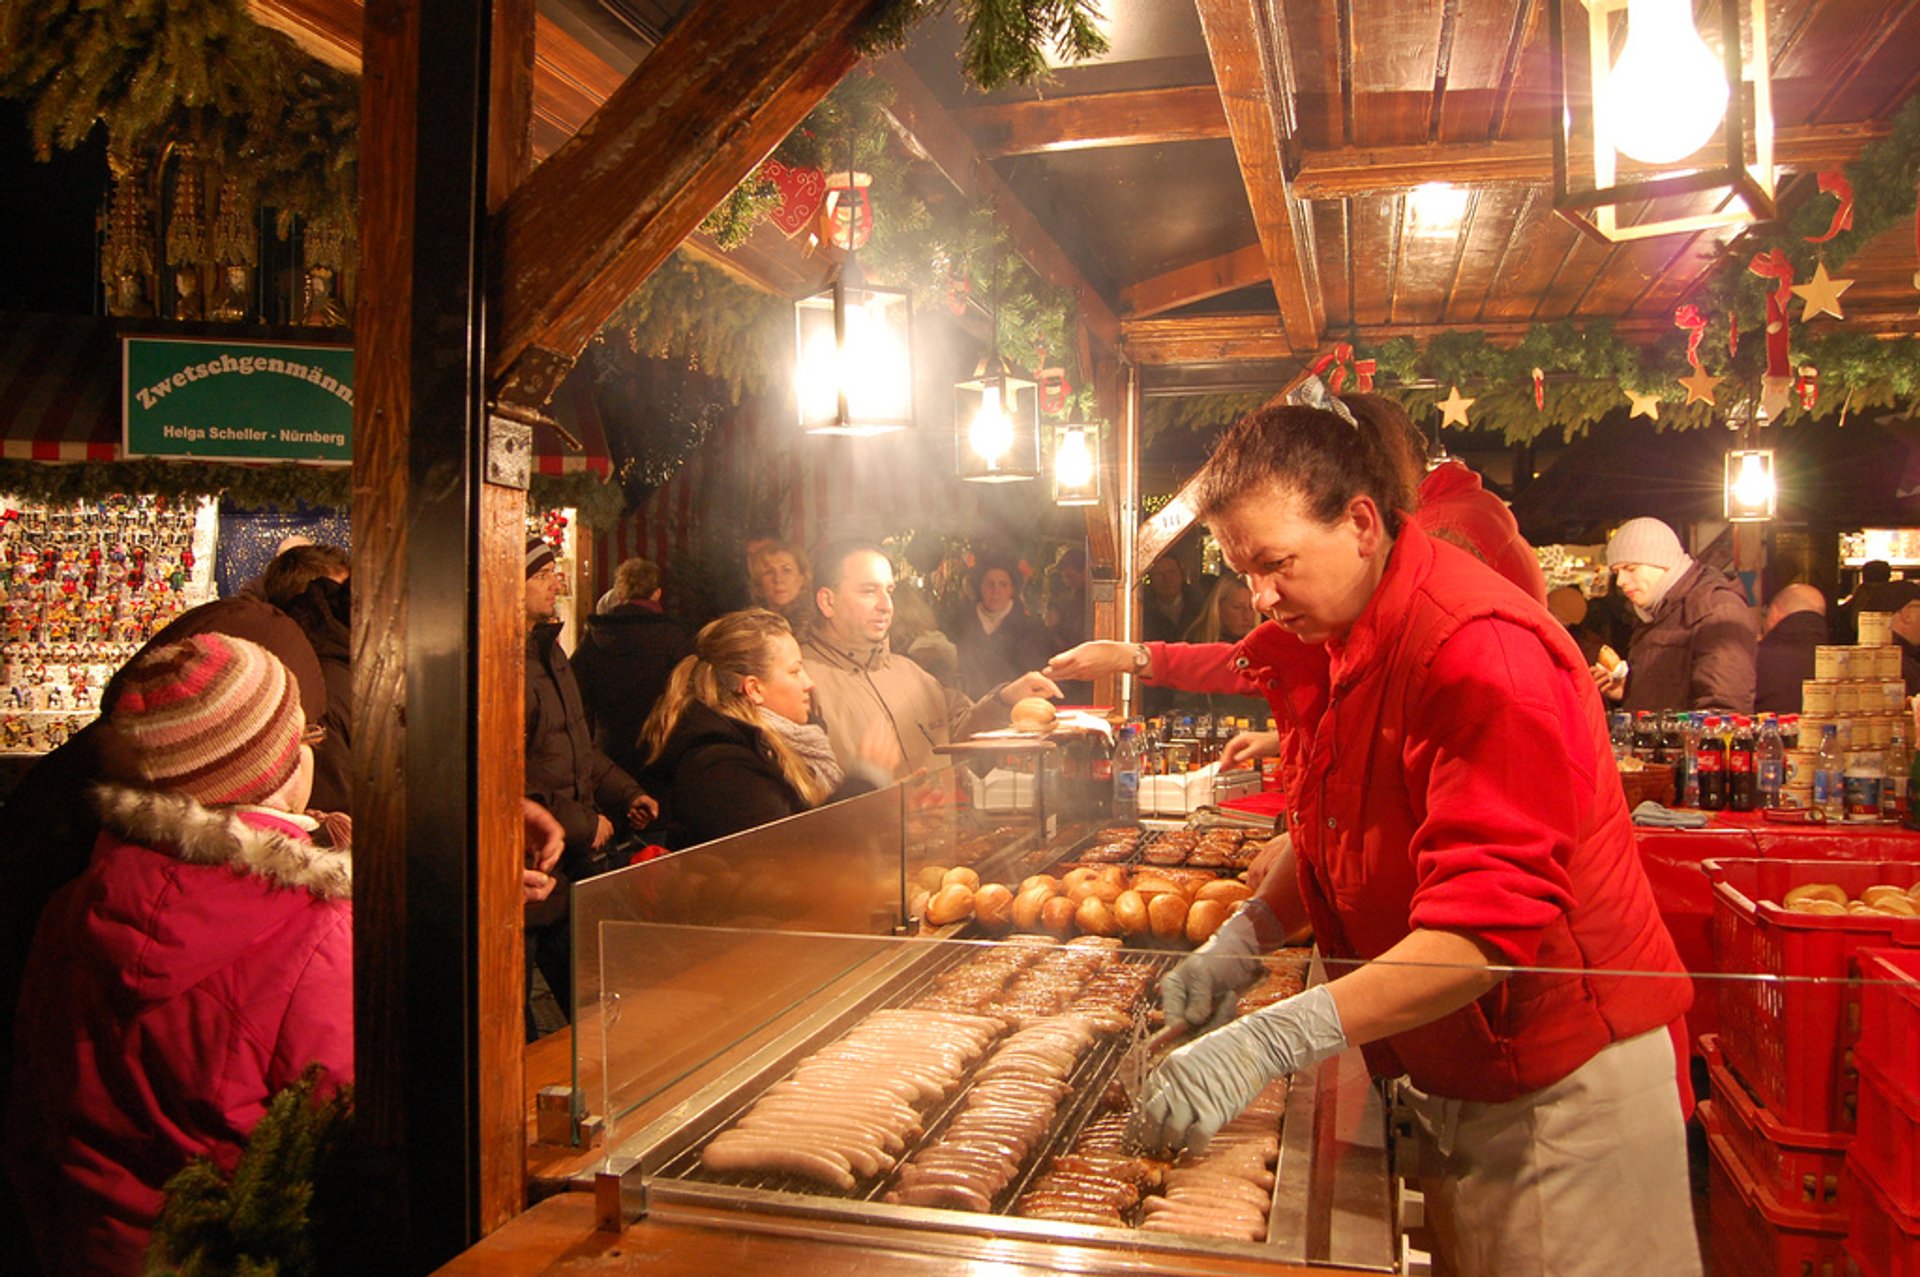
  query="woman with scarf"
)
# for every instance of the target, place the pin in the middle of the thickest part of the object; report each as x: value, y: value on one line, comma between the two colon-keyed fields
x: 729, y: 746
x: 998, y: 639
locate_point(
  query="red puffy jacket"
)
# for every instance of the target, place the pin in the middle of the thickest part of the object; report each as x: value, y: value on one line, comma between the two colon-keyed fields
x: 199, y: 965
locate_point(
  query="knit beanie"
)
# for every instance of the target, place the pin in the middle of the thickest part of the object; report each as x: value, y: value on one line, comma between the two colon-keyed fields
x: 213, y: 717
x: 539, y: 555
x: 1645, y: 541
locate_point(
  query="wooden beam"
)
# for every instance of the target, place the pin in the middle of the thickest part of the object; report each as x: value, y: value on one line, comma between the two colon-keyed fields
x: 730, y: 81
x: 1359, y: 170
x: 1194, y: 282
x: 1240, y: 43
x: 1226, y: 338
x: 1142, y: 117
x: 931, y: 129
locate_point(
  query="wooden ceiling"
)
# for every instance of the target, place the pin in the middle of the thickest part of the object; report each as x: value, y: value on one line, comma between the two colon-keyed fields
x: 1230, y: 186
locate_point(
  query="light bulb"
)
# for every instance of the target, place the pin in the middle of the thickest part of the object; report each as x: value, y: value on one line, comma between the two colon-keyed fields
x: 1667, y: 94
x: 990, y: 433
x: 820, y: 376
x: 1073, y: 461
x: 1753, y: 487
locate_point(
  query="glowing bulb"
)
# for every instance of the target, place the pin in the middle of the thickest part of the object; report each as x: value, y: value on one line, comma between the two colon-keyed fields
x: 990, y: 434
x: 1753, y: 488
x: 1667, y: 94
x: 1073, y: 461
x: 820, y: 376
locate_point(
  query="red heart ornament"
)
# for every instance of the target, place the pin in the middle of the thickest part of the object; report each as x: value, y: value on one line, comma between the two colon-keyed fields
x: 801, y: 190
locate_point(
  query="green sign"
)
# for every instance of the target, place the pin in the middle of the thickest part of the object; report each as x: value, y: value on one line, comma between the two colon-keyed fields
x: 237, y: 400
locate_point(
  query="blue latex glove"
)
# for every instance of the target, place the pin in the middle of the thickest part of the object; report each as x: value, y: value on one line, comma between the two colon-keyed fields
x: 1204, y: 989
x: 1202, y: 1086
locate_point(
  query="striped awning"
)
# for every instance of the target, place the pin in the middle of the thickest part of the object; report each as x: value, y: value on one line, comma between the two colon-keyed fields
x: 59, y: 388
x: 579, y: 416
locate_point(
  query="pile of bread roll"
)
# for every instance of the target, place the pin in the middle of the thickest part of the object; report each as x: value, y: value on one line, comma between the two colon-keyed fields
x: 1832, y: 900
x: 1092, y: 900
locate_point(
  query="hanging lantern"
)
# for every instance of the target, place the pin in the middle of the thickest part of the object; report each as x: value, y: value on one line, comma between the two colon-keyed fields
x: 853, y: 370
x: 1695, y: 125
x: 1076, y: 464
x: 846, y: 212
x: 1750, y: 492
x: 996, y: 425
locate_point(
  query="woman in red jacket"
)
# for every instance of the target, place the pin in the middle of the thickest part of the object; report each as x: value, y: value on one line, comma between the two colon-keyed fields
x: 202, y: 962
x: 1461, y: 849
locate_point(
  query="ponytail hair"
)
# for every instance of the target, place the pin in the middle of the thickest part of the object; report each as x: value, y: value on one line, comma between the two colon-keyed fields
x: 727, y: 651
x: 1319, y: 455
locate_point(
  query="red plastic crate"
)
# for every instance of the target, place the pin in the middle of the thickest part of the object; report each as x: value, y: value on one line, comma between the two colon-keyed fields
x: 1889, y: 1009
x: 1803, y: 1169
x: 1883, y: 1240
x: 1751, y: 1235
x: 1792, y: 1042
x: 1888, y: 1144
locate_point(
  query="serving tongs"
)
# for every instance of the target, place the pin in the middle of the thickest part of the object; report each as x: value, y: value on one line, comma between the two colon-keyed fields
x: 1138, y: 1061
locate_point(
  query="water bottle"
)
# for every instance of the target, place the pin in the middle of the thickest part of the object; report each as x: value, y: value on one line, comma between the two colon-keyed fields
x: 1829, y: 773
x: 1743, y: 790
x: 1126, y: 776
x: 1863, y: 784
x: 1688, y: 787
x: 1893, y: 786
x: 1620, y: 729
x: 1770, y: 762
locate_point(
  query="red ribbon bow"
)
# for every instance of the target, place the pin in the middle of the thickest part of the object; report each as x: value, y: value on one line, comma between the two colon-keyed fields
x: 1774, y: 265
x: 1340, y: 360
x: 1835, y: 183
x: 1690, y: 318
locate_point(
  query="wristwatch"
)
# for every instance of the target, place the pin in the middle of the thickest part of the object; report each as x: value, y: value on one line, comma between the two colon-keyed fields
x: 1141, y: 658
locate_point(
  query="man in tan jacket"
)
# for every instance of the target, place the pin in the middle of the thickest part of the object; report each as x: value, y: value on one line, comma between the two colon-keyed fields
x: 858, y: 681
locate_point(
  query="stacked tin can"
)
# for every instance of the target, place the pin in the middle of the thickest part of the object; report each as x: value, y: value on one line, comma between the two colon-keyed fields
x: 1857, y: 688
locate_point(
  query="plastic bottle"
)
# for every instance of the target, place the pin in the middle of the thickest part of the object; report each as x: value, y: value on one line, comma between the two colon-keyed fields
x: 1126, y: 776
x: 1829, y: 769
x: 1770, y: 762
x: 1863, y: 783
x: 1913, y: 791
x: 1790, y: 730
x: 1667, y: 750
x: 1893, y: 788
x: 1712, y: 765
x: 1742, y: 783
x: 1645, y: 735
x: 1687, y: 783
x: 1620, y: 729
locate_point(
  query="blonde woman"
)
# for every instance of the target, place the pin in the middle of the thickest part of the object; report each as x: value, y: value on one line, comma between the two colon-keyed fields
x: 729, y: 747
x: 780, y: 579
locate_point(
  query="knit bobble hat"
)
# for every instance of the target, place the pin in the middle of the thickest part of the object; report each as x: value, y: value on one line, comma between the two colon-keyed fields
x: 213, y: 717
x: 539, y: 555
x: 1645, y: 541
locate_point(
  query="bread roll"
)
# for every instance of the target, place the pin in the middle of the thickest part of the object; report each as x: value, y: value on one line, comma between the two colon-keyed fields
x: 1226, y: 889
x: 1033, y: 714
x: 950, y: 904
x: 1827, y: 891
x: 962, y: 875
x: 1130, y: 911
x: 1896, y: 905
x: 1076, y: 878
x: 1027, y: 906
x: 1056, y: 917
x: 1167, y: 914
x: 1205, y: 918
x: 1152, y: 886
x: 993, y: 906
x: 932, y: 877
x: 1826, y: 907
x: 1880, y: 891
x: 1095, y: 919
x: 1048, y: 881
x: 1609, y: 659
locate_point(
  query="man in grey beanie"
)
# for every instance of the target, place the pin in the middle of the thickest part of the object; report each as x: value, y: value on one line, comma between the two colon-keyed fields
x: 1694, y: 646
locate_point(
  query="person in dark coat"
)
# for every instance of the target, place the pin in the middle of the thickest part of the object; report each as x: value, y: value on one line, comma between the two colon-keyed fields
x: 1693, y: 648
x: 998, y: 639
x: 1902, y: 600
x: 729, y: 746
x: 309, y: 584
x: 626, y: 656
x: 1796, y: 624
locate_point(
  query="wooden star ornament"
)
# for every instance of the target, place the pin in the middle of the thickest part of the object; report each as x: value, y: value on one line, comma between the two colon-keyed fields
x: 1647, y: 405
x: 1453, y: 409
x: 1700, y: 386
x: 1821, y: 294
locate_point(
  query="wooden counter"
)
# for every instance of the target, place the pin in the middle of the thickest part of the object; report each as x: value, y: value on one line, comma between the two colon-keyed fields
x: 558, y: 1236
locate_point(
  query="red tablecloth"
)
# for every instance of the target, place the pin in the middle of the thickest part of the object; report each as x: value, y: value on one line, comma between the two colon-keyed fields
x: 1672, y: 860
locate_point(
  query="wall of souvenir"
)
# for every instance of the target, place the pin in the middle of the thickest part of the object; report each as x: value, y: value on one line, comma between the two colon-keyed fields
x: 82, y: 586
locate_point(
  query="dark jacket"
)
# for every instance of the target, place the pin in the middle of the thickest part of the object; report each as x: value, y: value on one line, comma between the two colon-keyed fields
x: 566, y: 773
x: 989, y: 660
x: 1909, y: 665
x: 325, y: 614
x: 623, y: 664
x: 717, y: 776
x: 1697, y: 651
x: 1783, y: 659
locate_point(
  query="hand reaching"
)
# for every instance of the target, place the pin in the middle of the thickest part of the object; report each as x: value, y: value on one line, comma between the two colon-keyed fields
x: 1032, y: 683
x: 1090, y: 660
x: 1249, y: 747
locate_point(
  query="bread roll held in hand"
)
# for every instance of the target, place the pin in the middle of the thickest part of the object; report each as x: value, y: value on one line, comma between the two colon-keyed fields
x: 1033, y: 714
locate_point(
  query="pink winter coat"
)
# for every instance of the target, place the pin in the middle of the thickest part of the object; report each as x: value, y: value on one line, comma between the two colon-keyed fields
x: 199, y: 965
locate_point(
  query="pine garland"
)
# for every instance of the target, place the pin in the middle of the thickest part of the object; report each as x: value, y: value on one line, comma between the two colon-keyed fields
x: 281, y: 1212
x: 1006, y: 40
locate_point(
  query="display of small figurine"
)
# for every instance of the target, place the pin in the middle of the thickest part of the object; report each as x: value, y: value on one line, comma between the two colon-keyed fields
x: 20, y: 696
x: 13, y: 734
x: 82, y: 696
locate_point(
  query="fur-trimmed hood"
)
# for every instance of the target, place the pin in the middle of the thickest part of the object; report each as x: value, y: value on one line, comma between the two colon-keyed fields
x: 180, y: 892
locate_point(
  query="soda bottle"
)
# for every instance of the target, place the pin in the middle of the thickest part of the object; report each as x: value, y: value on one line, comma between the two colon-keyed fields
x: 1126, y: 776
x: 1688, y: 784
x: 1644, y: 735
x: 1620, y: 729
x: 1742, y: 789
x: 1711, y: 758
x: 1669, y: 747
x: 1790, y: 731
x: 1770, y: 762
x: 1829, y: 771
x: 1893, y: 787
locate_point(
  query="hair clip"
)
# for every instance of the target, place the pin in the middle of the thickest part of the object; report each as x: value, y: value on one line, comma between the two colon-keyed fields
x: 1313, y: 393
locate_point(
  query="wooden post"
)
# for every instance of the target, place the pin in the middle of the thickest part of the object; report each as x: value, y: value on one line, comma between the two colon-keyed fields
x: 417, y: 702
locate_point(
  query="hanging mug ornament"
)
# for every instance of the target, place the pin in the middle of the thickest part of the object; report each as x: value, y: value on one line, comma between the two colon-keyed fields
x: 1054, y: 390
x: 846, y: 215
